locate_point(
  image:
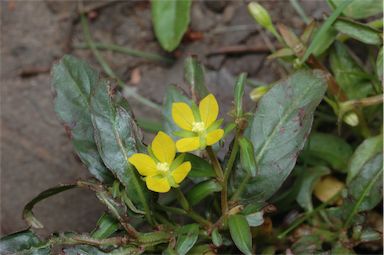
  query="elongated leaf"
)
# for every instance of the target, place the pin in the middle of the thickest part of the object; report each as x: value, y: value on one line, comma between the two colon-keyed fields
x: 200, y: 167
x: 170, y: 19
x: 379, y: 64
x: 73, y: 81
x: 202, y: 190
x: 247, y: 156
x: 365, y: 152
x: 27, y: 212
x: 217, y: 239
x: 240, y: 233
x: 90, y: 250
x: 106, y: 226
x: 359, y: 9
x: 239, y: 93
x: 24, y: 242
x: 358, y: 31
x: 307, y: 183
x: 348, y: 74
x: 194, y: 76
x: 186, y: 237
x: 172, y: 95
x: 117, y: 138
x: 329, y: 148
x: 278, y: 132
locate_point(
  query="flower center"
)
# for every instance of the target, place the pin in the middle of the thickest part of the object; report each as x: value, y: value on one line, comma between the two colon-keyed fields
x: 198, y: 127
x: 162, y: 166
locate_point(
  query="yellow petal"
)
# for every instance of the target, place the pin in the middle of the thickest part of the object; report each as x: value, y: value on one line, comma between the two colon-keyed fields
x: 163, y: 147
x: 182, y: 115
x: 157, y: 184
x: 188, y: 144
x: 327, y: 187
x: 214, y: 136
x: 209, y: 109
x: 181, y: 172
x: 143, y: 163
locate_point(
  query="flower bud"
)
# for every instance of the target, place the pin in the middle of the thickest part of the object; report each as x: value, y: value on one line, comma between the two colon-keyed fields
x: 351, y: 119
x: 258, y: 92
x: 261, y: 16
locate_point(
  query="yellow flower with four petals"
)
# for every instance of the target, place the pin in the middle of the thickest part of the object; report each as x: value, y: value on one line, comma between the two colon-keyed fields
x: 160, y: 168
x: 199, y: 125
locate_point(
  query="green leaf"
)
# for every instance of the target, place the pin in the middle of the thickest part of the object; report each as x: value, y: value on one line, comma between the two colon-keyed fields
x: 363, y: 153
x: 170, y: 19
x: 217, y: 239
x: 90, y: 250
x: 239, y: 93
x: 240, y: 233
x: 172, y: 95
x: 379, y: 64
x: 247, y: 156
x: 325, y: 41
x: 278, y: 132
x: 27, y: 212
x: 194, y: 76
x: 348, y: 74
x: 186, y: 237
x: 106, y: 226
x: 200, y: 167
x: 318, y: 39
x: 202, y: 190
x: 329, y: 148
x: 307, y: 183
x: 358, y: 31
x: 23, y: 243
x: 73, y: 81
x: 360, y: 9
x: 255, y: 219
x: 117, y: 138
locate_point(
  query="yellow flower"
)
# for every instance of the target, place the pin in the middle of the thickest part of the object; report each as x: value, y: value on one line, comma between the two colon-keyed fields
x: 160, y: 168
x: 200, y: 127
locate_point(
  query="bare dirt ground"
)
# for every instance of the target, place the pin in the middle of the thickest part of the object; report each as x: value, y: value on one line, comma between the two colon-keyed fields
x: 35, y: 152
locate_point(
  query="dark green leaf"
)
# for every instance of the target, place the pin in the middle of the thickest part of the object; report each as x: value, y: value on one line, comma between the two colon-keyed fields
x: 278, y: 132
x: 325, y: 41
x: 318, y: 39
x: 239, y: 93
x: 340, y: 249
x: 186, y: 237
x: 348, y: 73
x: 358, y: 31
x: 106, y: 226
x: 329, y: 148
x: 240, y: 233
x: 217, y: 239
x: 307, y: 182
x: 201, y: 249
x: 365, y: 152
x: 360, y: 9
x: 247, y: 156
x: 200, y: 167
x: 202, y: 190
x: 73, y: 81
x: 90, y: 250
x: 255, y: 219
x: 172, y: 95
x: 27, y: 212
x: 117, y: 138
x: 194, y: 76
x: 23, y: 243
x: 379, y: 64
x: 170, y: 19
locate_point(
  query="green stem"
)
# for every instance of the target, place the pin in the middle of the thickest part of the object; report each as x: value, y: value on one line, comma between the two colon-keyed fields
x: 220, y: 177
x: 125, y: 50
x: 296, y: 5
x: 129, y: 92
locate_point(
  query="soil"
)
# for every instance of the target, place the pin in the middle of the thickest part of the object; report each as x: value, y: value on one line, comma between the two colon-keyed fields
x: 35, y: 152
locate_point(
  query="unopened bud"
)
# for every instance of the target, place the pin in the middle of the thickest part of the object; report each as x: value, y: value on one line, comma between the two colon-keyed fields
x: 261, y: 16
x: 351, y: 119
x: 258, y: 92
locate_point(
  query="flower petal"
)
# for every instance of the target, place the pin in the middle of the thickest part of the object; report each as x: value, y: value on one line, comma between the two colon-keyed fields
x: 188, y: 144
x: 143, y: 163
x: 214, y: 136
x: 181, y: 172
x: 163, y: 147
x: 157, y: 184
x: 209, y: 109
x: 182, y: 115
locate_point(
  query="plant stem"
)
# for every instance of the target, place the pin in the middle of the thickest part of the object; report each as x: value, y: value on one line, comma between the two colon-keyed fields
x: 220, y: 177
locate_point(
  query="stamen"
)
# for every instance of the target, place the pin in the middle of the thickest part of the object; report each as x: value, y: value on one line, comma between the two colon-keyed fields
x: 162, y: 166
x: 198, y: 127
